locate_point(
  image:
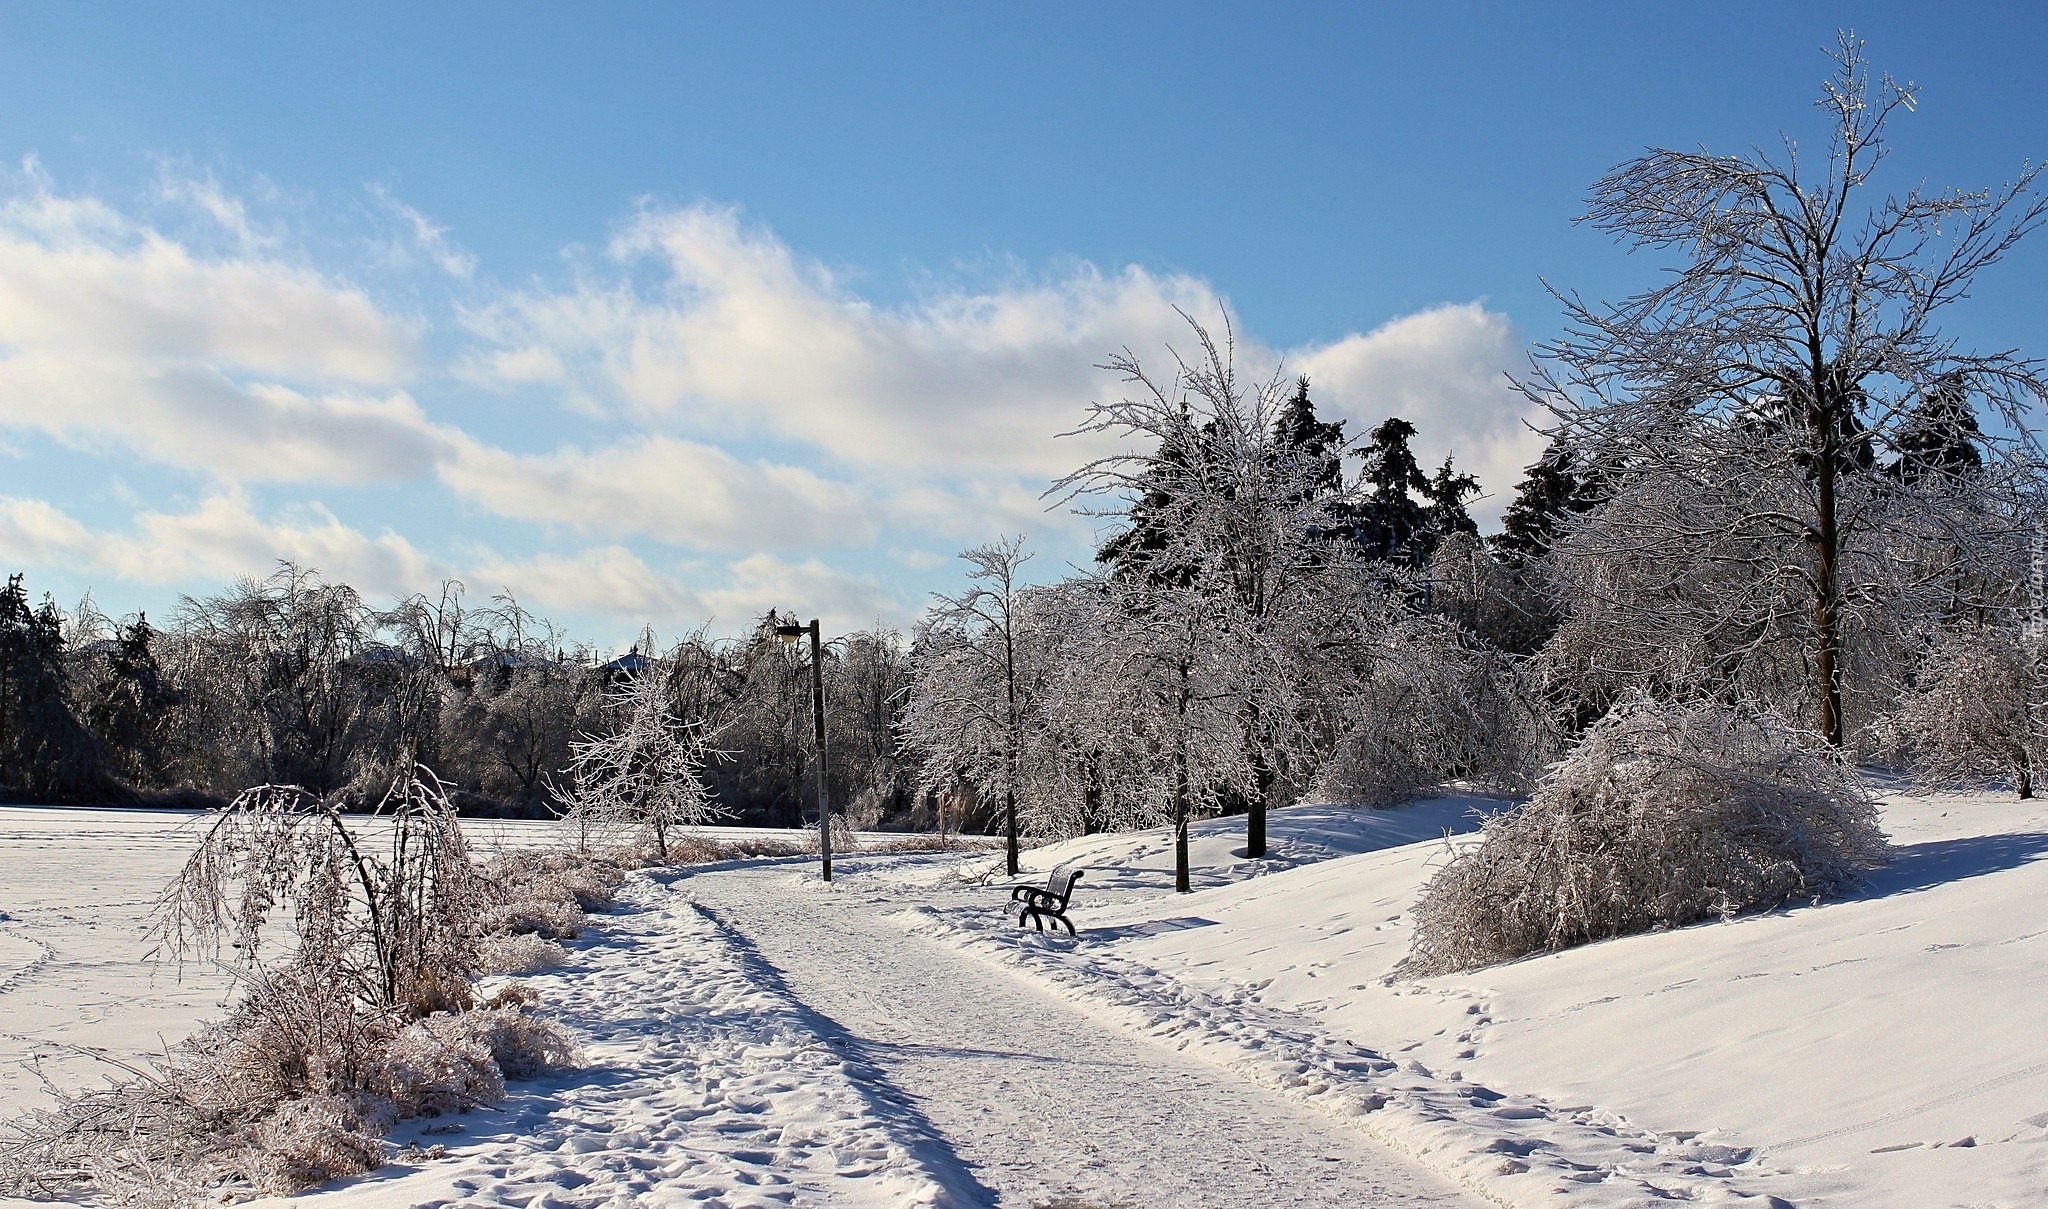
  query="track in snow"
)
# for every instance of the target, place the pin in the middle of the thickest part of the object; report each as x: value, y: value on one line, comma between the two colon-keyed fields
x: 1042, y: 1105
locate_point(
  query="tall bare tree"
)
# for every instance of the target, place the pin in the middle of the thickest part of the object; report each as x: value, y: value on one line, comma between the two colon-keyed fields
x: 1224, y: 500
x: 1791, y: 347
x: 965, y: 710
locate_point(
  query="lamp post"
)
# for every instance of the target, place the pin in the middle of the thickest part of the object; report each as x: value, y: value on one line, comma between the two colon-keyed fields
x: 789, y: 634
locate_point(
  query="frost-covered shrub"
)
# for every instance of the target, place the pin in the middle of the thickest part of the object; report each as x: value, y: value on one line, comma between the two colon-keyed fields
x: 309, y: 1141
x: 843, y: 838
x: 546, y: 892
x: 522, y: 953
x: 522, y: 1045
x: 1445, y: 709
x: 437, y: 1066
x: 1974, y: 711
x: 1663, y: 815
x: 292, y: 1033
x: 554, y: 918
x: 449, y: 1063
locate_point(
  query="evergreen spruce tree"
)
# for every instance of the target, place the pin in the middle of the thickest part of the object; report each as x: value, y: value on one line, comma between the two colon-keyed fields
x: 1940, y: 437
x: 127, y: 706
x: 1446, y: 492
x: 1551, y: 489
x: 45, y: 755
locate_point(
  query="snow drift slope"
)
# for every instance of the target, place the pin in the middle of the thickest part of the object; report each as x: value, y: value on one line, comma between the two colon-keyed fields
x: 1884, y: 1050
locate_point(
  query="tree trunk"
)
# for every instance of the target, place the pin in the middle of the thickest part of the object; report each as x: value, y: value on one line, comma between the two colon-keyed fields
x: 1010, y: 781
x: 1263, y: 777
x: 1182, y: 883
x: 1010, y: 827
x: 1828, y: 404
x: 1181, y: 806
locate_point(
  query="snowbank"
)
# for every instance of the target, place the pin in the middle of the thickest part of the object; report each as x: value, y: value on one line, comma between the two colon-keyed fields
x: 1882, y: 1050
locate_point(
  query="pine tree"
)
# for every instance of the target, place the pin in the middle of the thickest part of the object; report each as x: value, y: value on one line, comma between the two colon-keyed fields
x: 1405, y: 512
x: 127, y: 706
x: 44, y: 752
x: 1446, y: 492
x: 1551, y: 489
x: 1940, y: 438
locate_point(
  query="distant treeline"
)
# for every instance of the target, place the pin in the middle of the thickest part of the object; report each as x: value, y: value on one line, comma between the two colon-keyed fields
x: 295, y: 680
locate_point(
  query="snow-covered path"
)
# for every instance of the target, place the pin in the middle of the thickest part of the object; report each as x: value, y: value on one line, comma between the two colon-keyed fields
x: 1039, y: 1103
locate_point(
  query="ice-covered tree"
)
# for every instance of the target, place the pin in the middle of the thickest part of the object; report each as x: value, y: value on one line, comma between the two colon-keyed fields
x: 266, y: 676
x: 1229, y: 489
x: 44, y: 752
x: 1185, y: 690
x: 1553, y: 488
x: 645, y: 772
x: 1745, y: 403
x: 966, y: 712
x: 128, y: 702
x: 387, y: 920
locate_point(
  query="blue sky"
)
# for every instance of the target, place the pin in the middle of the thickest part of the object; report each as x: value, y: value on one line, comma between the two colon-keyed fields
x: 670, y: 314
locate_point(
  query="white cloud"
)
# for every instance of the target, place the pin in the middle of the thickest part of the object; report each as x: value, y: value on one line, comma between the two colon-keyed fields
x: 226, y: 210
x: 214, y: 542
x: 32, y: 532
x: 970, y: 512
x: 428, y: 237
x: 79, y: 280
x: 743, y: 335
x: 245, y: 367
x: 755, y: 584
x: 678, y: 492
x: 1443, y: 370
x: 193, y: 417
x: 608, y: 581
x: 966, y: 390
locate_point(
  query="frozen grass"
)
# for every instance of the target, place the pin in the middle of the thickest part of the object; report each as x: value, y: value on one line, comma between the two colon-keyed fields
x: 366, y: 1018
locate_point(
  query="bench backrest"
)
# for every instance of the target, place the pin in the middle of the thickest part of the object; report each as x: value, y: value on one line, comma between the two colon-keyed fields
x: 1061, y: 884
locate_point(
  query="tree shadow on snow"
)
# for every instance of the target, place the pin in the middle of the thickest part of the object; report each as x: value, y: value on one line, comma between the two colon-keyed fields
x: 1151, y: 927
x: 891, y: 1103
x: 1934, y: 863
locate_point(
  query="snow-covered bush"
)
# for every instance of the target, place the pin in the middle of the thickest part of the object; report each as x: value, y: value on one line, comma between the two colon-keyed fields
x: 546, y: 892
x: 1436, y: 707
x: 844, y: 841
x: 523, y: 953
x: 522, y: 1045
x: 439, y: 1065
x: 1663, y: 815
x: 309, y: 1141
x: 1974, y: 711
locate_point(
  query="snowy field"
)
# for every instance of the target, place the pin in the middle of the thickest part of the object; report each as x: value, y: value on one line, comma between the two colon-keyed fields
x: 758, y: 1038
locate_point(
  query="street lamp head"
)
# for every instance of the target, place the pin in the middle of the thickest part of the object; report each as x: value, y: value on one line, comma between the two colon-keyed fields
x: 790, y: 633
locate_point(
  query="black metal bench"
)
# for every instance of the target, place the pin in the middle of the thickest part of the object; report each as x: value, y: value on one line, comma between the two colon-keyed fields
x: 1049, y: 901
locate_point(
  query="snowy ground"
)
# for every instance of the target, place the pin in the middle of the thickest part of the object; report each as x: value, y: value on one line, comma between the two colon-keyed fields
x: 759, y: 1038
